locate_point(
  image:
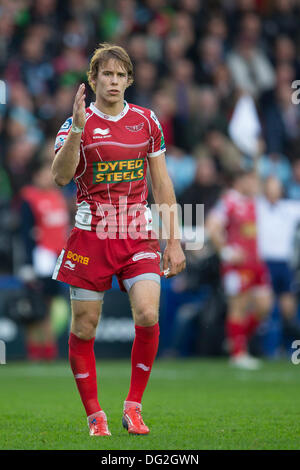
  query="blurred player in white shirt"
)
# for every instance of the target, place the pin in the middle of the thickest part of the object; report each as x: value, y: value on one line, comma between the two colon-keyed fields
x: 277, y: 219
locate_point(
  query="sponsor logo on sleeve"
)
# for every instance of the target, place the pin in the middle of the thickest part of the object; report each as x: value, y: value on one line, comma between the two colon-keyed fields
x: 59, y: 142
x: 66, y: 125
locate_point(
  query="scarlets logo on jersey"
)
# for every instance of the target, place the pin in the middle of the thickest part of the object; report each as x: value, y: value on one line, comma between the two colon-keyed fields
x: 136, y: 128
x: 120, y: 171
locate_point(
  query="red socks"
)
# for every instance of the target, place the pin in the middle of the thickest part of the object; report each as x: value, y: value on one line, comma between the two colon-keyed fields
x: 251, y: 324
x: 143, y: 353
x: 239, y: 332
x: 83, y: 364
x: 41, y: 352
x: 236, y: 336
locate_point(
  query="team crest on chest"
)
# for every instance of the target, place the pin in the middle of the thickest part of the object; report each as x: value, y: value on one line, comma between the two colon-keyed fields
x: 135, y: 128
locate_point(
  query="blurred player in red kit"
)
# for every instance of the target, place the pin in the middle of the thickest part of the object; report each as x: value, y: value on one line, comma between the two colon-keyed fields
x: 44, y: 228
x: 231, y: 225
x: 107, y: 148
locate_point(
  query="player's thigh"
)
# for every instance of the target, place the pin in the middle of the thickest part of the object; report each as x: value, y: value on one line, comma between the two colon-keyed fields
x: 85, y: 317
x: 144, y: 298
x: 262, y: 300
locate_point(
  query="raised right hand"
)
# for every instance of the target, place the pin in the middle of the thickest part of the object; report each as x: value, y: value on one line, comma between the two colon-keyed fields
x: 79, y: 117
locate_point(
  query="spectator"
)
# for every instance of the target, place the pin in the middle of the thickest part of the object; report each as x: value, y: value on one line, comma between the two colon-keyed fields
x: 250, y: 67
x: 60, y: 105
x: 36, y: 72
x: 137, y: 48
x: 281, y: 121
x: 221, y: 150
x: 181, y: 168
x: 145, y: 84
x: 183, y: 26
x: 282, y: 20
x: 217, y: 27
x: 175, y: 48
x: 276, y: 223
x: 205, y: 189
x: 206, y: 113
x: 70, y: 66
x: 165, y: 108
x: 19, y: 158
x: 5, y: 186
x: 183, y: 90
x: 210, y: 52
x: 223, y: 85
x: 275, y: 164
x: 293, y: 186
x: 285, y: 74
x: 22, y: 122
x: 285, y: 53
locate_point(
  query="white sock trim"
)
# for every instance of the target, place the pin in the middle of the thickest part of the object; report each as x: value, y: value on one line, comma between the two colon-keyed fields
x: 127, y: 404
x: 98, y: 413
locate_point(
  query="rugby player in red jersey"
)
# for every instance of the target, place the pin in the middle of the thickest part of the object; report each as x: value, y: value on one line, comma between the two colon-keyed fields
x: 231, y: 225
x: 107, y: 148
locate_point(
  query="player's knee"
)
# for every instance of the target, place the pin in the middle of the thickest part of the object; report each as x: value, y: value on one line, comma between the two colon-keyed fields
x: 147, y: 316
x: 84, y: 325
x: 85, y: 331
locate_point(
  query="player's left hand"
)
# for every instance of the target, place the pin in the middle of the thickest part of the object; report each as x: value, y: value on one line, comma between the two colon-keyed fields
x: 173, y: 259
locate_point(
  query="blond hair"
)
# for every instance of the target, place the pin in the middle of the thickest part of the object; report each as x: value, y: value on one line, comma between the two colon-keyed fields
x: 102, y: 54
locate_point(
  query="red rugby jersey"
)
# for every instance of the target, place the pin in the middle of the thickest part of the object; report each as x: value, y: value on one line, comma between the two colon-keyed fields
x: 51, y: 216
x: 113, y: 164
x: 238, y: 213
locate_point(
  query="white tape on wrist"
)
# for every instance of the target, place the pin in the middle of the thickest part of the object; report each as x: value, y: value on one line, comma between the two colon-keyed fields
x: 76, y: 130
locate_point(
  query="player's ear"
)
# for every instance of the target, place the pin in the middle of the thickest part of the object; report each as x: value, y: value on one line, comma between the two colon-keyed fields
x: 129, y: 81
x: 94, y: 83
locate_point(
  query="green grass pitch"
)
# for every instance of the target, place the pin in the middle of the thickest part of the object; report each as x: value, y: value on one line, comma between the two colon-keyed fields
x: 189, y: 404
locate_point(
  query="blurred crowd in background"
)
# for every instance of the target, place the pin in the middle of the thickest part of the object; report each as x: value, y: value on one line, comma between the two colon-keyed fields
x: 197, y: 64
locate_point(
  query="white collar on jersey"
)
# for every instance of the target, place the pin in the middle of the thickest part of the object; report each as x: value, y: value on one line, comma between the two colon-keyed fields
x: 107, y: 116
